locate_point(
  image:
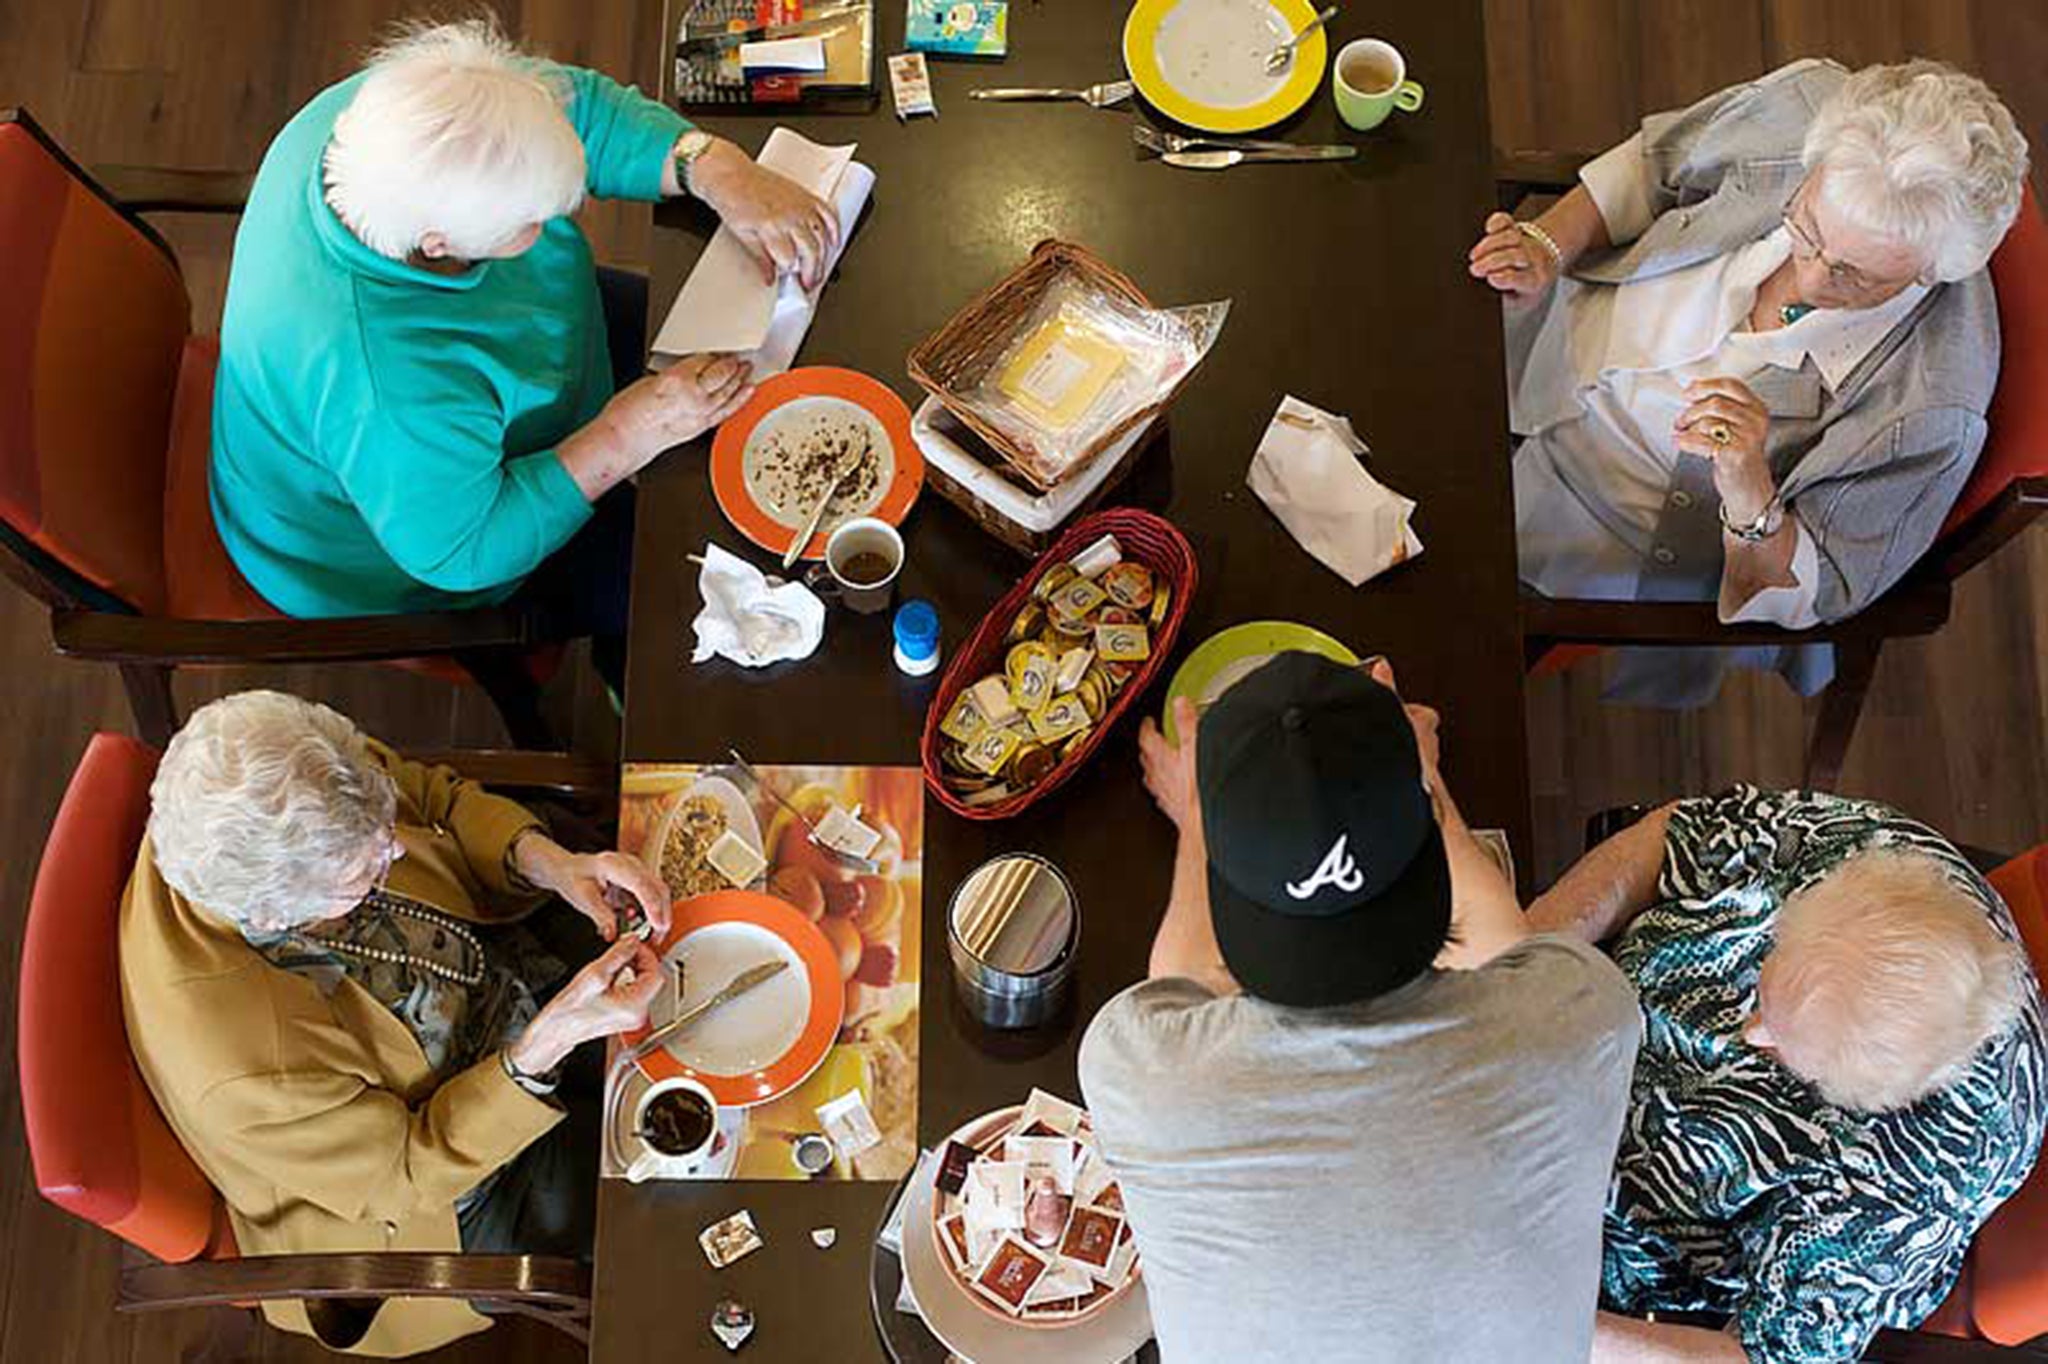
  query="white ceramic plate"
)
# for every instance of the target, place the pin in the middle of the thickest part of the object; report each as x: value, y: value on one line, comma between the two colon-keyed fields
x: 1214, y: 51
x: 797, y: 426
x: 754, y: 1031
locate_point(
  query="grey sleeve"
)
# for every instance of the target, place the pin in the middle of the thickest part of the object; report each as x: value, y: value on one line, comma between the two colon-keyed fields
x: 1873, y: 521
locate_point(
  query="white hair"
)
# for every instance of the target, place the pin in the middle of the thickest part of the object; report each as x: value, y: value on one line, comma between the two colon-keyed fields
x: 267, y: 809
x: 1891, y: 978
x: 1925, y: 156
x: 454, y: 131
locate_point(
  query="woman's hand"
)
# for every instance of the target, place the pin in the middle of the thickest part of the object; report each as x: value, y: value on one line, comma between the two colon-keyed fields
x: 786, y: 227
x: 609, y: 996
x: 594, y: 883
x: 1728, y: 424
x: 654, y: 414
x: 1511, y: 261
x: 1170, y: 768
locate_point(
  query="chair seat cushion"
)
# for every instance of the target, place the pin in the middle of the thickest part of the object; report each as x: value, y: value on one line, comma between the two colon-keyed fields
x: 201, y: 582
x: 2017, y: 444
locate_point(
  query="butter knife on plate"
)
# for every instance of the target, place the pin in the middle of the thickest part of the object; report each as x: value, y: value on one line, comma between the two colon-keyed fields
x: 810, y: 527
x: 747, y: 980
x: 1225, y: 158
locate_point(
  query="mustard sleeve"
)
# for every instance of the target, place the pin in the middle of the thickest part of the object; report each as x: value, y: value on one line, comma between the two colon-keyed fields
x: 363, y: 1154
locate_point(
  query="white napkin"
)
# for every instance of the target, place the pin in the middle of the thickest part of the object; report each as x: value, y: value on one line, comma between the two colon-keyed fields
x: 726, y: 307
x: 1307, y: 471
x: 750, y: 622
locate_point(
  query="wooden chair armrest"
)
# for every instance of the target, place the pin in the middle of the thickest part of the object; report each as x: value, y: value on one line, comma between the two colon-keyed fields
x: 154, y: 189
x: 1985, y: 533
x: 356, y: 639
x: 507, y: 769
x: 1918, y: 610
x: 536, y: 1279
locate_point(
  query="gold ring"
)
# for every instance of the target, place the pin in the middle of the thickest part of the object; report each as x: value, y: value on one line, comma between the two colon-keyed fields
x: 1720, y: 434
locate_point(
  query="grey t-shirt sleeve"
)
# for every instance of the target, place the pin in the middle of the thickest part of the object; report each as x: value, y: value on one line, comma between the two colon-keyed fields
x: 1137, y: 1039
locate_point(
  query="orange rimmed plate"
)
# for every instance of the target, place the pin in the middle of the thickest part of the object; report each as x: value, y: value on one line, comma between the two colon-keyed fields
x: 771, y: 460
x: 768, y: 1041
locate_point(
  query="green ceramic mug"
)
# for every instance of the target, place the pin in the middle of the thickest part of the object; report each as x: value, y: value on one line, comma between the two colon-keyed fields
x: 1370, y: 82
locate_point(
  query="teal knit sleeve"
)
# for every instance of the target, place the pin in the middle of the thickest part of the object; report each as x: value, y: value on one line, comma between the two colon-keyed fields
x: 626, y: 136
x: 430, y: 478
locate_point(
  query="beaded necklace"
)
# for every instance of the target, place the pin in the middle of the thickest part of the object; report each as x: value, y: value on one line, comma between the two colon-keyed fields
x: 402, y: 907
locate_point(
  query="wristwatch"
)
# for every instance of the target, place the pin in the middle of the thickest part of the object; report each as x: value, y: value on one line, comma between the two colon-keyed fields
x: 689, y: 147
x: 1763, y: 528
x: 539, y: 1086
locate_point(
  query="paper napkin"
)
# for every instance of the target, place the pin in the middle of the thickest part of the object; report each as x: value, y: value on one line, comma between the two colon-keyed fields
x: 1307, y: 471
x: 750, y: 621
x: 725, y: 307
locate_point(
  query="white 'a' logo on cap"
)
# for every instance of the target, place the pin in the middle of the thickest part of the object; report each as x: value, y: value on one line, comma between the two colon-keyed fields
x: 1338, y: 868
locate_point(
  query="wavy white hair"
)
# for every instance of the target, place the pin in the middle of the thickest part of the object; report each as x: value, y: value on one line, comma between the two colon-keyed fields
x: 1891, y: 978
x: 268, y: 809
x: 1925, y: 156
x: 455, y: 131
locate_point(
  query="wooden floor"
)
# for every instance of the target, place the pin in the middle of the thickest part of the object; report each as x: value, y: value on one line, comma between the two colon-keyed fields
x: 1956, y: 732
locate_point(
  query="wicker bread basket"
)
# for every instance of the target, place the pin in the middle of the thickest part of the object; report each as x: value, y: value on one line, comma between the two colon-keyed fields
x: 960, y: 354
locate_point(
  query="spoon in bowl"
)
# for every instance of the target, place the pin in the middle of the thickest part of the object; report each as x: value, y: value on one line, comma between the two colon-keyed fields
x: 1278, y: 59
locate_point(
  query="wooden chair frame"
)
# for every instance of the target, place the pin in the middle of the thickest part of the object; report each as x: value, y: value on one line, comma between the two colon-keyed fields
x: 490, y: 643
x: 549, y: 1289
x: 1917, y: 605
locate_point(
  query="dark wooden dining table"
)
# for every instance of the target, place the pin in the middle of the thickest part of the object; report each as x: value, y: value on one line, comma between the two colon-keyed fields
x: 1348, y: 290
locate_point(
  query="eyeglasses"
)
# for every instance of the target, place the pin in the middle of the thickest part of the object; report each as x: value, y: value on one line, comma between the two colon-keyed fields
x: 1806, y: 245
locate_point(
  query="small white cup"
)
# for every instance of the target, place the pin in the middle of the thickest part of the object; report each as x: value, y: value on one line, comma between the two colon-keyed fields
x: 853, y: 539
x: 648, y: 1163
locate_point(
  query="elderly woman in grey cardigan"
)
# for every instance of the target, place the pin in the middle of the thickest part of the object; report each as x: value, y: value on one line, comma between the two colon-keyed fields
x: 1750, y: 354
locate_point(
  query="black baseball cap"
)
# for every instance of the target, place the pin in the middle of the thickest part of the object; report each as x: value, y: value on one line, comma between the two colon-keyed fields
x: 1327, y: 877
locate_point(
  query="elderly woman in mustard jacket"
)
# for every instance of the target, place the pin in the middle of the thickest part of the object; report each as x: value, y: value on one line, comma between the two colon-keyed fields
x: 326, y: 998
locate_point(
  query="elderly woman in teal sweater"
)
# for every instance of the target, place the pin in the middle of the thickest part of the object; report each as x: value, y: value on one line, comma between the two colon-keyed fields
x: 416, y: 405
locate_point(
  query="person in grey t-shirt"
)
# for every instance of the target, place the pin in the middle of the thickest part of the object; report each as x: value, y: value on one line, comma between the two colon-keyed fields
x: 1331, y: 1146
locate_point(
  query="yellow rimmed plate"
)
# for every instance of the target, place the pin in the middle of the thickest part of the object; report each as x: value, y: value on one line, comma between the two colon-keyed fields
x: 1202, y: 62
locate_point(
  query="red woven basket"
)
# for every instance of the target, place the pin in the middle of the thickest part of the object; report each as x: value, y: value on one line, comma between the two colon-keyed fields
x: 1146, y: 539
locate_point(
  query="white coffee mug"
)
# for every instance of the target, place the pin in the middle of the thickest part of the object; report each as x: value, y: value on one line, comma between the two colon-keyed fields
x: 854, y: 543
x: 650, y: 1163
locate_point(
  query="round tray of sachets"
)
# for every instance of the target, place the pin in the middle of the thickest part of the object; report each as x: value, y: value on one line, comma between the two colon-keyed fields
x: 1056, y: 663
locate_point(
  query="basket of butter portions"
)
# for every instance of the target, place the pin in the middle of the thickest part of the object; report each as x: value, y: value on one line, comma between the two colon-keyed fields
x: 1054, y: 665
x: 1058, y: 361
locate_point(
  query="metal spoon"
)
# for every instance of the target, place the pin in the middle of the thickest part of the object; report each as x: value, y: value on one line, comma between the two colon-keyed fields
x: 1279, y: 57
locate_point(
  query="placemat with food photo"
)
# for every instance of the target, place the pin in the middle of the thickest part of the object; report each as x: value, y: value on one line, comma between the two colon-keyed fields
x: 843, y: 848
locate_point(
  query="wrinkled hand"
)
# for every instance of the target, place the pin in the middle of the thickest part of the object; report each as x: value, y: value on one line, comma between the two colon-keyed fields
x: 1742, y: 473
x: 788, y: 229
x: 1170, y: 768
x: 680, y: 403
x: 596, y: 884
x: 610, y: 995
x: 1511, y: 262
x: 1423, y: 720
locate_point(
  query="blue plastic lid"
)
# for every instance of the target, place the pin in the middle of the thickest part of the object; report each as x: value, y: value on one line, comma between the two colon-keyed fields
x: 917, y: 628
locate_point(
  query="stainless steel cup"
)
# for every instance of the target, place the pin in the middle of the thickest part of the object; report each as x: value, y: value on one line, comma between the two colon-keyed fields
x: 1011, y: 931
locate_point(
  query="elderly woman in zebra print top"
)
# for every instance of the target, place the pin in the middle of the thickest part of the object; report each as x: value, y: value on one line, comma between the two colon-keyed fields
x: 1840, y: 1076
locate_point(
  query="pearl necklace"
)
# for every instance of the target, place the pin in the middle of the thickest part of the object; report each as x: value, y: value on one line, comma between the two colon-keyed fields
x: 403, y: 908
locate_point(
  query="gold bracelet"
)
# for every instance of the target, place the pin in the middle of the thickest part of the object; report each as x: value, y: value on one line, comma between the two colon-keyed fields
x: 1543, y: 239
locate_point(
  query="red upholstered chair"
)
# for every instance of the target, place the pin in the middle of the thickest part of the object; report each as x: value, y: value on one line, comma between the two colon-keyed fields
x: 2003, y: 1295
x: 105, y: 417
x: 2006, y: 492
x: 101, y: 1148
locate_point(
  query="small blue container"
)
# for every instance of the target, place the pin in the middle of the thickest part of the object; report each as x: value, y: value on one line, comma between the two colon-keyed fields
x: 917, y: 638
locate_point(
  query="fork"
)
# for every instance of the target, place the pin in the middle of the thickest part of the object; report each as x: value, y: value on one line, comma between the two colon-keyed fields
x: 1161, y: 141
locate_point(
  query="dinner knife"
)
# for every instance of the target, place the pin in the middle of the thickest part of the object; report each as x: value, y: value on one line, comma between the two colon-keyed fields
x: 749, y: 979
x: 1225, y: 159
